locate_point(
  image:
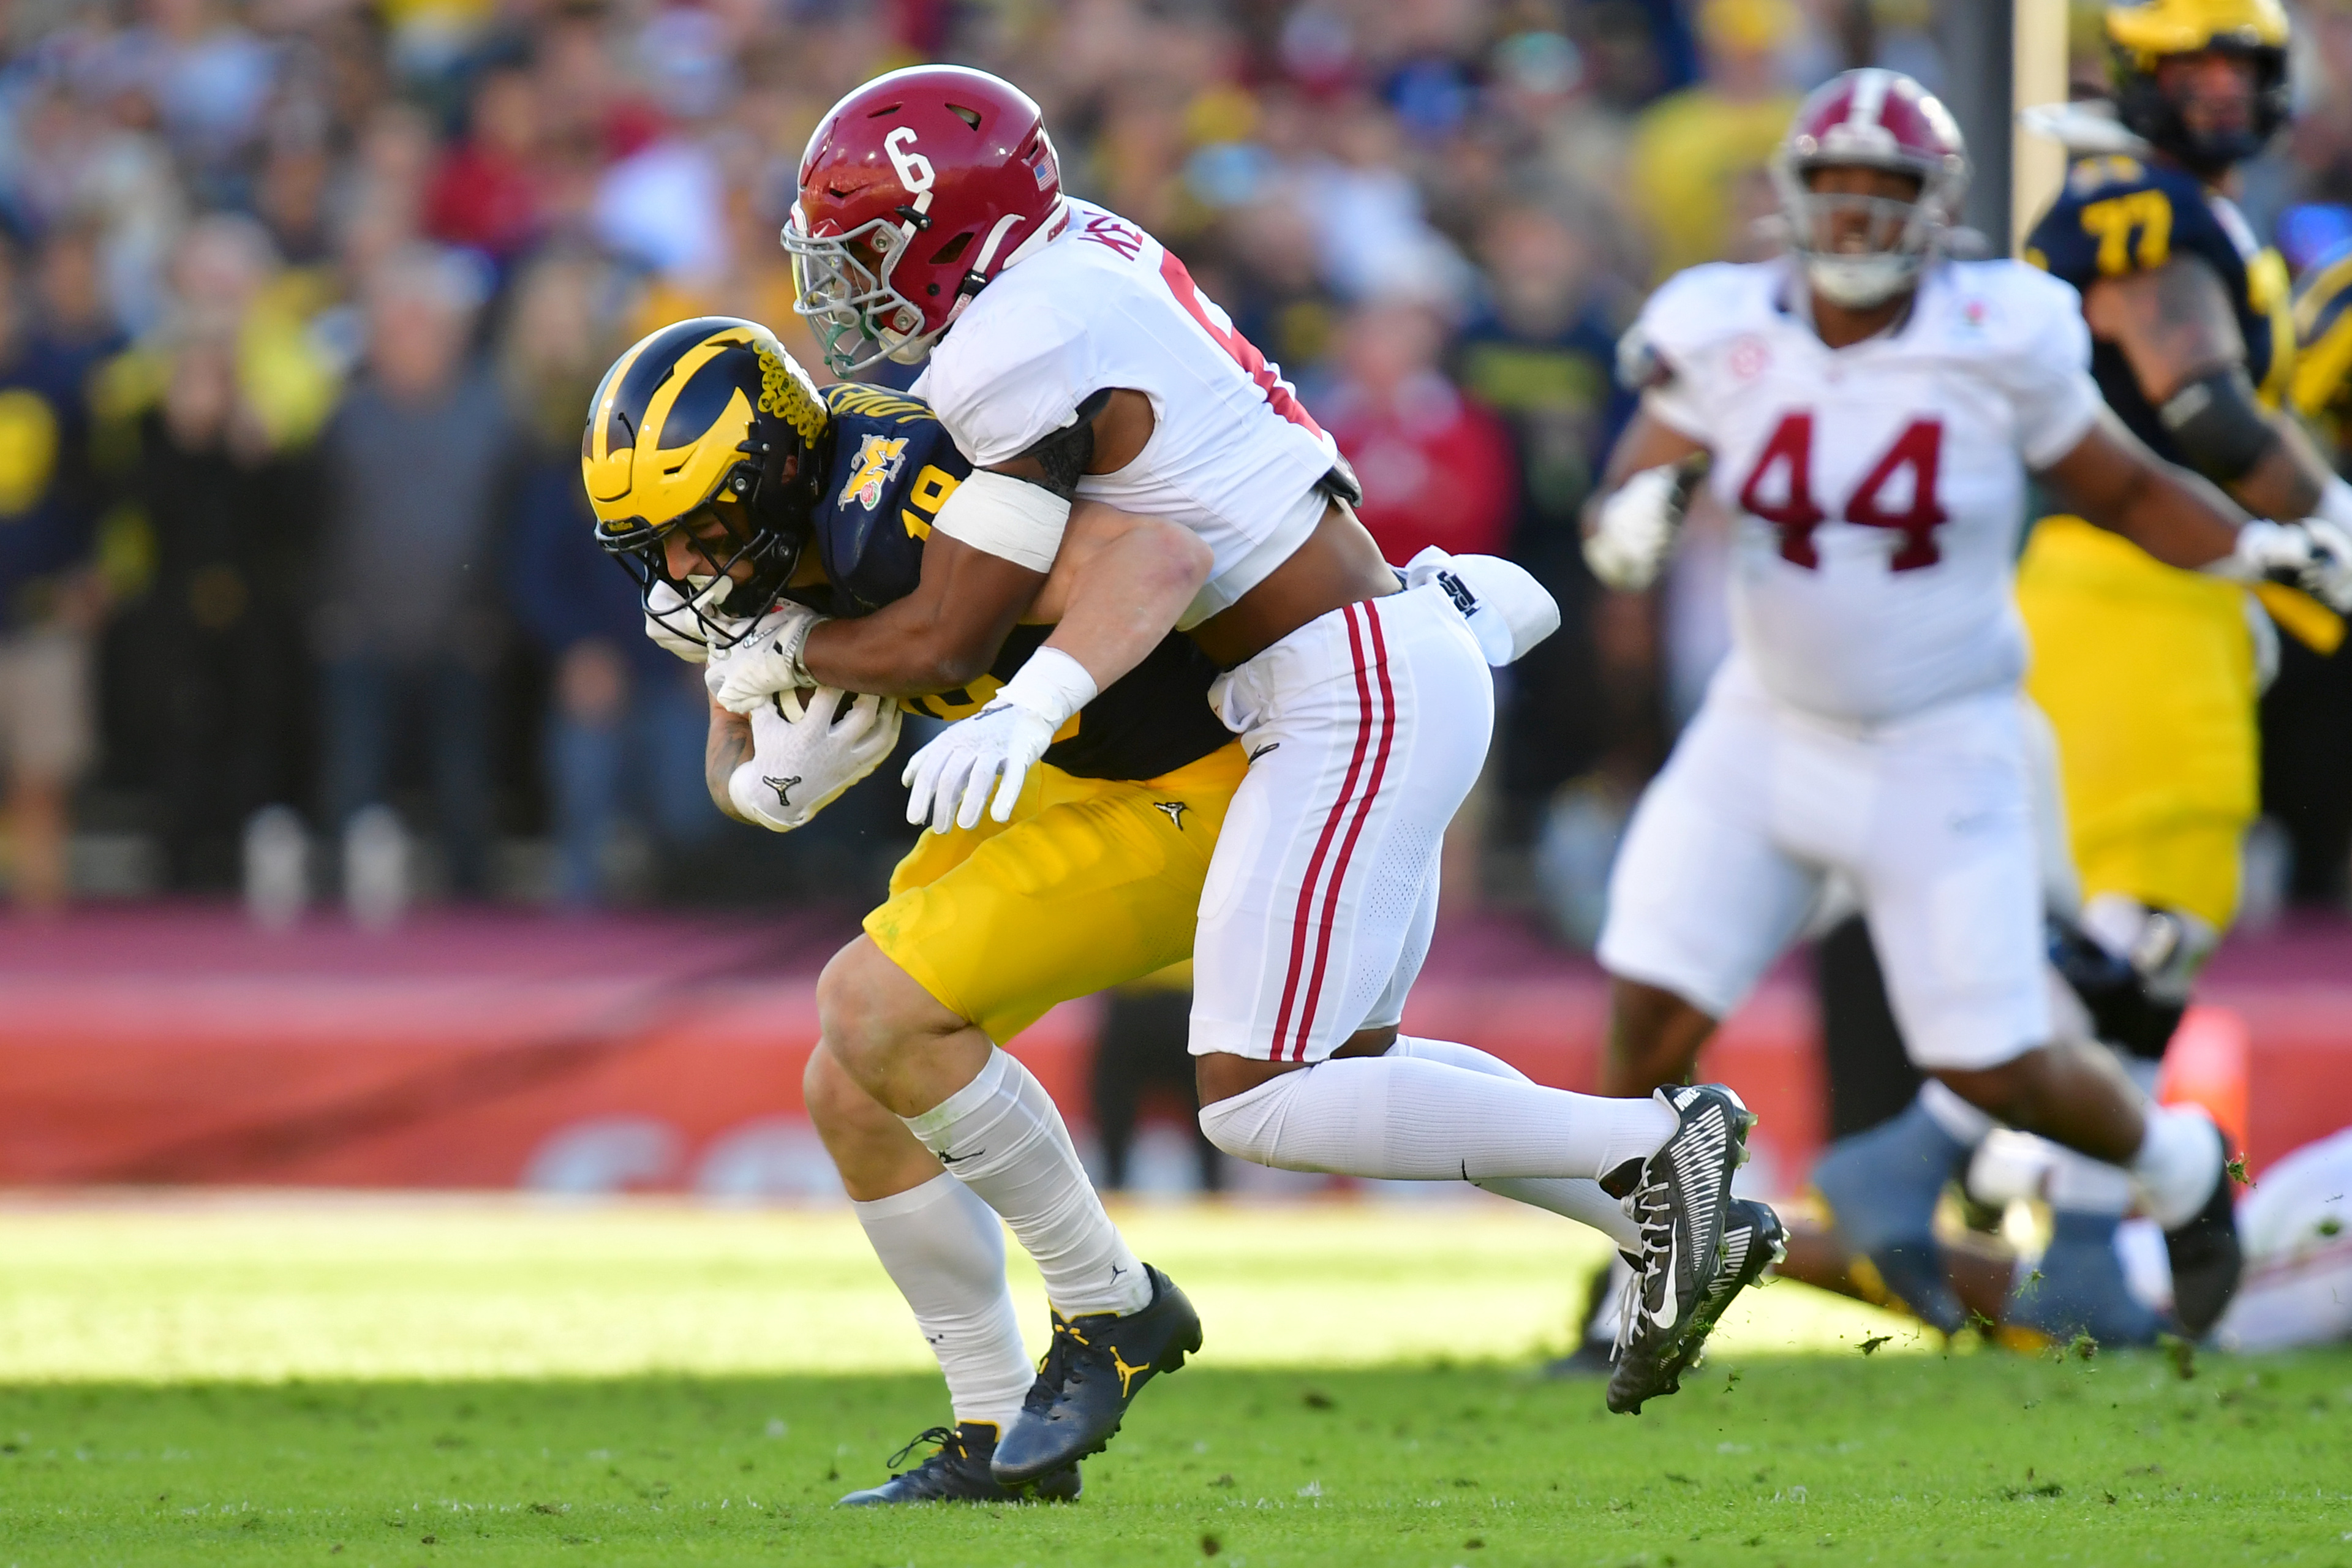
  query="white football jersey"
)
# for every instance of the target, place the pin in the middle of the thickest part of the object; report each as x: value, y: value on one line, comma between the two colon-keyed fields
x: 1878, y: 491
x: 1233, y: 455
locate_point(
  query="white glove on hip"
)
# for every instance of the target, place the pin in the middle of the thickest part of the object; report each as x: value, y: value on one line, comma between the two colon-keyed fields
x: 2315, y: 555
x: 1509, y: 611
x: 949, y: 780
x: 1634, y: 531
x: 766, y: 662
x: 805, y: 753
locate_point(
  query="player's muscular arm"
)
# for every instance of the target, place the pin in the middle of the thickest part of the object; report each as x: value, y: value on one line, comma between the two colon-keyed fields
x: 727, y: 747
x: 1645, y: 443
x: 938, y: 637
x: 1118, y: 585
x: 947, y: 631
x: 2176, y: 327
x: 2113, y: 479
x: 1119, y: 581
x: 2173, y: 323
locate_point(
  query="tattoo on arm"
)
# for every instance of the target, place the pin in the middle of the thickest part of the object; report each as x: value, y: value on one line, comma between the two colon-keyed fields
x: 728, y: 748
x: 2174, y: 323
x: 1065, y: 454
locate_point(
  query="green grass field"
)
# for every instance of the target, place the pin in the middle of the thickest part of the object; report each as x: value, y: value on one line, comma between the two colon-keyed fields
x: 384, y: 1383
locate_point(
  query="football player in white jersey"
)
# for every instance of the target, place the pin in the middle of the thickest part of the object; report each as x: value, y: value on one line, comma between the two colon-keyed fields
x: 1867, y: 410
x: 1069, y: 355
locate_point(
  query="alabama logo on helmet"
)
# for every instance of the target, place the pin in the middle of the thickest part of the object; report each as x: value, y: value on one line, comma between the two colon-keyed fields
x: 879, y: 459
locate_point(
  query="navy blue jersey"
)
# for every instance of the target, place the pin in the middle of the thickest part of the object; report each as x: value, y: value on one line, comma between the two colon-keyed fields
x: 893, y: 466
x: 2118, y: 215
x: 46, y: 501
x: 2323, y: 330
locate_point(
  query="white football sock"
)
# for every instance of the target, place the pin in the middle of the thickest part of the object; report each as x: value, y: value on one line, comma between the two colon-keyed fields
x: 1574, y: 1197
x: 1402, y: 1118
x: 944, y: 1249
x: 1001, y: 1136
x: 2178, y: 1163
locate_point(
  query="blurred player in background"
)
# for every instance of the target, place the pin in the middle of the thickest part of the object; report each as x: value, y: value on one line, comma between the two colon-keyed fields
x: 1871, y: 410
x: 725, y: 480
x: 2149, y: 674
x: 1070, y: 354
x: 2296, y: 1230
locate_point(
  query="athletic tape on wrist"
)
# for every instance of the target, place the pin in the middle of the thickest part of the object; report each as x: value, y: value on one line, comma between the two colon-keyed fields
x: 1051, y: 684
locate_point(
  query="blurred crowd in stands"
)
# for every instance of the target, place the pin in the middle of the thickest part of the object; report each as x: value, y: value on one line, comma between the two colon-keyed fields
x: 304, y: 300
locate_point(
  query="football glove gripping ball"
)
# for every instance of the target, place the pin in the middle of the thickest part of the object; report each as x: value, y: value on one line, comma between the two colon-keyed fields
x: 767, y: 661
x: 807, y: 747
x: 672, y: 624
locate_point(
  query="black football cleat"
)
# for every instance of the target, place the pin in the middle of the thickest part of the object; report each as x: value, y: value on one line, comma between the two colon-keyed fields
x: 1681, y: 1205
x: 958, y: 1472
x: 2207, y: 1261
x: 1097, y: 1363
x: 1754, y: 1240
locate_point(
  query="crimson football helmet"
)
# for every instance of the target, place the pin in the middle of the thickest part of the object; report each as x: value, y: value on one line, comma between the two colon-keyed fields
x: 915, y: 191
x: 1879, y: 120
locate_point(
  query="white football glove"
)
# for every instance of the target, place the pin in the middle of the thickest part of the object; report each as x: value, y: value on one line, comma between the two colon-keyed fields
x: 804, y: 753
x: 1634, y: 531
x: 2328, y: 577
x: 949, y: 780
x: 1509, y: 611
x: 766, y: 662
x: 671, y: 623
x: 2315, y: 555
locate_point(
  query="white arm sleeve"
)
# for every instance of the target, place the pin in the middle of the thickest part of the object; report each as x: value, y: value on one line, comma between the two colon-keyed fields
x: 2046, y: 365
x: 1673, y: 405
x: 1654, y: 353
x: 1021, y: 522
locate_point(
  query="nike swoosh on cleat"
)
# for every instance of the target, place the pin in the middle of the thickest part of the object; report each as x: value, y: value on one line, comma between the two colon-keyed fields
x: 1663, y: 1314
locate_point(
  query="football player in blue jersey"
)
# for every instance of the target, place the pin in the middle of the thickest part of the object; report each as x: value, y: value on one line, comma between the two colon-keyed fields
x: 728, y: 483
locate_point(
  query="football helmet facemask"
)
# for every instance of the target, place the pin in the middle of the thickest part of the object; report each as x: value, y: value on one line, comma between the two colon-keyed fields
x: 1872, y: 119
x: 915, y: 191
x: 708, y: 421
x: 2143, y: 35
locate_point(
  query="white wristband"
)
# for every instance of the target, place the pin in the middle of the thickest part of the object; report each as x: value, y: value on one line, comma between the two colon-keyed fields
x: 1052, y: 685
x: 1006, y: 517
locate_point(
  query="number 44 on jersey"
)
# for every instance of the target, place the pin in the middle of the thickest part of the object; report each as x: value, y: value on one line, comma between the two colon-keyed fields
x: 1779, y: 490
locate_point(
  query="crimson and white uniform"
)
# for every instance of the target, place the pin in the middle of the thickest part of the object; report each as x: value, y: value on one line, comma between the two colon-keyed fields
x: 1365, y: 727
x: 1867, y: 721
x: 1233, y: 455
